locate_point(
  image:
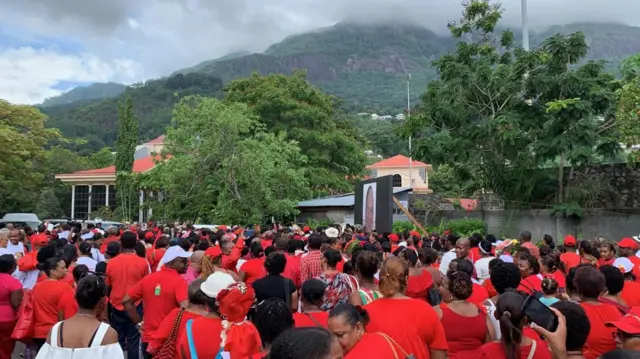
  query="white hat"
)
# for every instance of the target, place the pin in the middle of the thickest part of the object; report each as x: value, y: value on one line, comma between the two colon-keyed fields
x: 87, y: 236
x: 624, y: 264
x: 215, y: 283
x: 173, y: 253
x: 331, y: 232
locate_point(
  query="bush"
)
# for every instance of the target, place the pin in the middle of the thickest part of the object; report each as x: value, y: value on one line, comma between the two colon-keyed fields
x: 401, y: 226
x: 466, y: 226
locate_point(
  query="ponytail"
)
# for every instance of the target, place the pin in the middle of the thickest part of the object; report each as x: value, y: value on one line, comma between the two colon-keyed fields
x: 509, y: 313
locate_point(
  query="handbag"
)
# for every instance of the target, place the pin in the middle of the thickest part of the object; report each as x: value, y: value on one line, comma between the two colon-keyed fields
x: 23, y: 331
x: 393, y: 344
x: 168, y: 348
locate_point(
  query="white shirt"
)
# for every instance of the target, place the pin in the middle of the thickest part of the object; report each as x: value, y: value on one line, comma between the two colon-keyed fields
x: 15, y: 248
x: 89, y: 262
x: 446, y: 260
x: 482, y: 268
x: 96, y: 255
x: 28, y: 279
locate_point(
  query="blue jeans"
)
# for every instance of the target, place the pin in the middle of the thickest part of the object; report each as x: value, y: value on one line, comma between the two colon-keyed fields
x: 128, y: 334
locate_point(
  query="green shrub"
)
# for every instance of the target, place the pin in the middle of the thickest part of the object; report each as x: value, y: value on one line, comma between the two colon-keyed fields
x: 401, y: 226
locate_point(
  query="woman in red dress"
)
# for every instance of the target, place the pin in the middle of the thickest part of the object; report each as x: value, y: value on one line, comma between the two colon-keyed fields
x: 412, y: 323
x: 590, y: 283
x: 312, y: 314
x: 513, y: 344
x: 347, y: 323
x: 607, y: 254
x: 466, y: 325
x: 419, y: 278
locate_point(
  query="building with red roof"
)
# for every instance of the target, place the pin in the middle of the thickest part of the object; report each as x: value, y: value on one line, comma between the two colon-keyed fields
x: 94, y: 189
x: 406, y: 173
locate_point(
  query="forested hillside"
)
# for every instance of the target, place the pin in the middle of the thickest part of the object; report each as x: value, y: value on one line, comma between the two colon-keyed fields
x: 93, y: 91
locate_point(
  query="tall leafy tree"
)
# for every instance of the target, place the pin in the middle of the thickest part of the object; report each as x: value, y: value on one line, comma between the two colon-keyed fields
x: 125, y: 149
x: 628, y: 111
x: 23, y: 136
x: 499, y: 114
x: 225, y: 168
x: 292, y: 106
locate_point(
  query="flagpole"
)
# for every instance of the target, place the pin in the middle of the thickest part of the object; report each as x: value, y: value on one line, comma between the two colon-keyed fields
x: 408, y: 118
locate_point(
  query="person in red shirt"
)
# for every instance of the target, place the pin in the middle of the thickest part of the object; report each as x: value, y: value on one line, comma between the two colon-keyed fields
x: 347, y: 322
x: 160, y: 293
x: 46, y: 299
x: 549, y: 269
x: 590, y: 283
x: 512, y: 319
x: 10, y: 299
x: 292, y: 269
x: 628, y: 330
x: 311, y: 263
x: 614, y: 281
x: 570, y: 258
x: 123, y: 272
x: 267, y: 239
x: 607, y: 254
x: 230, y: 252
x: 627, y: 248
x: 311, y: 314
x: 273, y: 317
x: 530, y: 272
x: 113, y: 236
x: 68, y: 304
x: 478, y: 293
x: 412, y: 323
x: 155, y: 254
x: 525, y: 242
x: 630, y: 293
x: 197, y: 308
x: 419, y: 278
x: 253, y: 269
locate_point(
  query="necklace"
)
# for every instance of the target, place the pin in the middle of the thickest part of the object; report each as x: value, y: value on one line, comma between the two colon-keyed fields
x: 86, y: 315
x: 457, y: 301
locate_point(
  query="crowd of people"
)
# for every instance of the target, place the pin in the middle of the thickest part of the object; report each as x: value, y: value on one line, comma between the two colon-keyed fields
x: 294, y: 292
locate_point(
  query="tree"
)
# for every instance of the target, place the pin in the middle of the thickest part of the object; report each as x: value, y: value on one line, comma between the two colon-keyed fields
x: 225, y: 168
x: 23, y: 136
x: 125, y: 150
x: 102, y: 158
x: 291, y: 106
x: 628, y: 111
x: 48, y: 205
x: 499, y: 114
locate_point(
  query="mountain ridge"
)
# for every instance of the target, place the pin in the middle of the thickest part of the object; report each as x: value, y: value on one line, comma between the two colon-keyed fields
x: 98, y: 90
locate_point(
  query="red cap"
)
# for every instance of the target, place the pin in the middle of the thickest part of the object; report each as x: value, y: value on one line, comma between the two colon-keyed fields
x: 629, y: 324
x: 213, y: 252
x: 415, y: 234
x: 569, y: 240
x: 306, y: 229
x: 222, y: 228
x: 148, y: 235
x: 446, y: 232
x: 40, y: 239
x: 628, y: 243
x: 394, y: 238
x: 297, y: 237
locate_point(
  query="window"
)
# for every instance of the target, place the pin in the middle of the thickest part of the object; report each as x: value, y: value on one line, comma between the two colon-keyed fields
x: 81, y: 202
x: 397, y: 180
x: 113, y: 204
x: 423, y: 174
x: 98, y: 197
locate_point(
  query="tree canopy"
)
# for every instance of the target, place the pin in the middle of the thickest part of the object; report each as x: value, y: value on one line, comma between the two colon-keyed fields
x: 291, y: 107
x: 225, y: 167
x: 500, y: 115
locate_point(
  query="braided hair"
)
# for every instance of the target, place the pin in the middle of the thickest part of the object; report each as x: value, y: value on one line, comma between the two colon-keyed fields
x: 273, y: 316
x: 302, y: 343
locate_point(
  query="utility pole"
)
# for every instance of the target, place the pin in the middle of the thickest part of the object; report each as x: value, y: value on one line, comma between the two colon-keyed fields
x: 408, y: 118
x: 525, y: 26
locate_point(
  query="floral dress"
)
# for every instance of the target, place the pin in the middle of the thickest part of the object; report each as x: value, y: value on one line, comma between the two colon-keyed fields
x: 338, y: 289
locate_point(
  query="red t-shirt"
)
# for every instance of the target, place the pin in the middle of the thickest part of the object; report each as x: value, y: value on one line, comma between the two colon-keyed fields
x: 474, y: 254
x: 418, y: 285
x: 601, y: 338
x: 373, y: 345
x: 292, y: 269
x: 570, y: 260
x: 164, y: 330
x: 464, y: 334
x: 478, y: 294
x: 106, y: 241
x: 161, y: 292
x: 123, y: 272
x: 560, y: 278
x: 301, y: 320
x: 416, y: 326
x: 205, y: 333
x: 46, y: 305
x: 495, y: 350
x: 488, y: 286
x: 8, y: 285
x: 68, y: 304
x: 254, y: 270
x: 636, y: 266
x: 531, y: 284
x: 154, y: 256
x: 631, y: 293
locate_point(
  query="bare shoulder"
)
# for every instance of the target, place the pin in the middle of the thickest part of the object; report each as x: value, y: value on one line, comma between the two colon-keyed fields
x: 110, y: 337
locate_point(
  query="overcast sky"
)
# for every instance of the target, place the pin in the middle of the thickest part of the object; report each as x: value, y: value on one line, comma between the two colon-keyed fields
x: 50, y: 46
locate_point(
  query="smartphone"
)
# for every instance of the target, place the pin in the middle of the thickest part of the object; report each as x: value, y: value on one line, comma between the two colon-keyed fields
x: 540, y: 314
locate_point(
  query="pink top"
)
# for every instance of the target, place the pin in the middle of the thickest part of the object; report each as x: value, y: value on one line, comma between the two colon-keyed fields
x: 8, y: 284
x: 190, y: 275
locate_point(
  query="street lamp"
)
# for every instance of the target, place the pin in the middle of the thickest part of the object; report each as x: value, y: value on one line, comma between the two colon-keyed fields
x: 525, y: 26
x: 408, y: 118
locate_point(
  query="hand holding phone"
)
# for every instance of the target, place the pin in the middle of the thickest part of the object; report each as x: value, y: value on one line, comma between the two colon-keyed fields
x: 540, y: 314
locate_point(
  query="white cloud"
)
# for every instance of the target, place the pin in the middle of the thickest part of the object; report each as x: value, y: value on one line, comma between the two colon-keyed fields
x: 28, y: 75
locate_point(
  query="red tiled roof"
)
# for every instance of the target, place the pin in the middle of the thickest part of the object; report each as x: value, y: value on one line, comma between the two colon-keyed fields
x: 465, y: 203
x: 157, y: 141
x: 397, y: 161
x: 139, y: 166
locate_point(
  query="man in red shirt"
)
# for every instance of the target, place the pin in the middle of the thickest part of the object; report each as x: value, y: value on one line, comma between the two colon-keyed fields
x: 123, y: 272
x: 292, y: 268
x: 161, y: 292
x: 311, y: 263
x: 570, y: 259
x: 267, y: 239
x: 111, y: 237
x: 525, y: 242
x: 627, y: 249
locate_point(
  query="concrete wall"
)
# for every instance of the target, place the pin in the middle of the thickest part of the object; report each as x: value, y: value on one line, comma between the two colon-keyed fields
x: 509, y: 223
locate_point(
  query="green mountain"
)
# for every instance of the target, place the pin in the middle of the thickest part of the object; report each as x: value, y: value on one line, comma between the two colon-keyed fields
x: 94, y: 91
x: 95, y: 122
x: 366, y: 65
